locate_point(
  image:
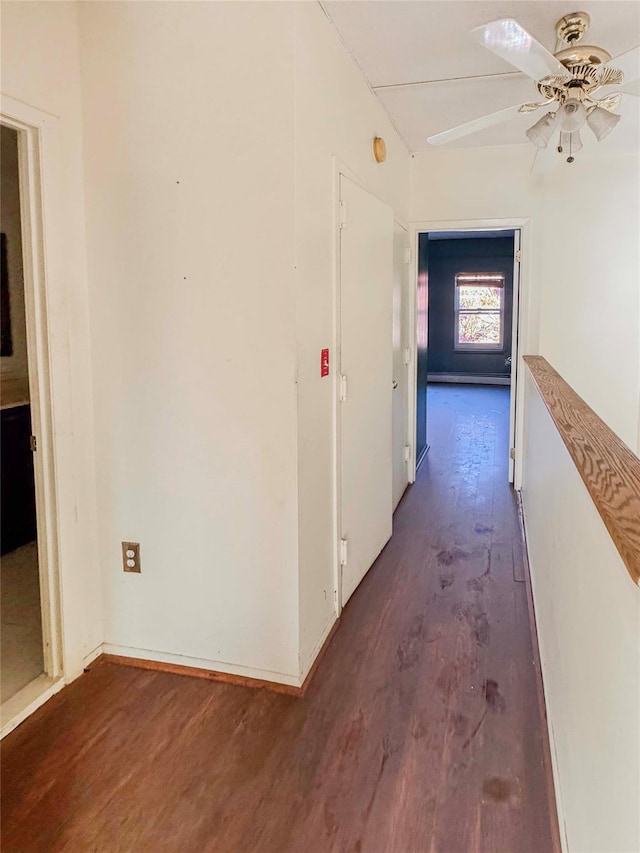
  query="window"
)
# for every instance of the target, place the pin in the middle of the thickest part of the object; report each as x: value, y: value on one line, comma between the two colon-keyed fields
x: 479, y: 311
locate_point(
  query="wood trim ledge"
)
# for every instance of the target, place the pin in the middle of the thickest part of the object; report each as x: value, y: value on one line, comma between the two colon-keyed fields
x: 608, y: 468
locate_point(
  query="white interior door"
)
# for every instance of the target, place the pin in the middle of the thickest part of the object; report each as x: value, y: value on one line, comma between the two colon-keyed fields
x: 366, y: 360
x: 401, y: 359
x: 515, y: 326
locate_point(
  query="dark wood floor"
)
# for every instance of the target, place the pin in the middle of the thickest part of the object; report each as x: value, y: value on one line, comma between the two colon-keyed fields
x: 420, y: 732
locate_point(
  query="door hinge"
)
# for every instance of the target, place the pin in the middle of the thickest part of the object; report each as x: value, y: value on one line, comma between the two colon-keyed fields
x: 343, y: 388
x: 407, y: 355
x: 343, y: 552
x: 512, y: 453
x: 407, y: 452
x: 33, y: 443
x: 407, y: 255
x: 518, y: 256
x: 343, y: 215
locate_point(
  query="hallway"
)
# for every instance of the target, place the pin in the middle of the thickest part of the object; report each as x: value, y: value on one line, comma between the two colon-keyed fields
x: 421, y: 730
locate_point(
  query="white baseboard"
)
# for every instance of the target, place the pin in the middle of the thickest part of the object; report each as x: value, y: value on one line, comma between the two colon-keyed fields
x: 89, y: 659
x: 202, y: 663
x: 468, y: 379
x: 305, y: 668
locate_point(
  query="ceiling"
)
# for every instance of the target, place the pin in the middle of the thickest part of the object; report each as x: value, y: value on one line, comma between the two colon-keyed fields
x: 430, y: 75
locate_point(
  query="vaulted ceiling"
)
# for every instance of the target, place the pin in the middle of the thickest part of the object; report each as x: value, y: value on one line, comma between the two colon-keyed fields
x: 431, y: 75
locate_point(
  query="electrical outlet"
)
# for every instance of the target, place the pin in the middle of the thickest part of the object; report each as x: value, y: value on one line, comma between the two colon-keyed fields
x: 131, y: 556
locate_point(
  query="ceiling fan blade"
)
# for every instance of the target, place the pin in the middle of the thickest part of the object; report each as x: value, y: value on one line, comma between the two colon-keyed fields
x: 508, y: 40
x: 477, y: 124
x: 628, y: 63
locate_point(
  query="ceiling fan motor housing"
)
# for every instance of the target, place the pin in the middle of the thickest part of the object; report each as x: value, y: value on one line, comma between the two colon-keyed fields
x: 572, y: 28
x: 583, y: 54
x: 584, y: 63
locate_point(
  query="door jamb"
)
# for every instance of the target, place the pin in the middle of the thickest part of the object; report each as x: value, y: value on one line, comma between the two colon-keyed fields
x: 515, y: 347
x: 526, y: 336
x: 409, y: 437
x: 32, y: 126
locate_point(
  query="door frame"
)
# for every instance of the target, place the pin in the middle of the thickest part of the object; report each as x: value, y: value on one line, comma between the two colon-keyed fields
x: 34, y: 128
x: 524, y: 338
x: 409, y: 296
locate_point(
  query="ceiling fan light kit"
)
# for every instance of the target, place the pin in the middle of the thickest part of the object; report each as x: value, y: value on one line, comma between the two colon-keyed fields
x: 567, y: 80
x: 572, y: 115
x: 571, y: 142
x: 541, y: 132
x: 602, y: 122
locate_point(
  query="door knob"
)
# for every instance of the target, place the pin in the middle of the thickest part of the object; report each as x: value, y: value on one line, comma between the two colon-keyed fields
x: 395, y: 384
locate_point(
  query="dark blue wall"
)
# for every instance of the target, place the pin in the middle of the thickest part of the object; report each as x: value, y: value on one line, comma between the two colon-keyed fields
x: 444, y: 259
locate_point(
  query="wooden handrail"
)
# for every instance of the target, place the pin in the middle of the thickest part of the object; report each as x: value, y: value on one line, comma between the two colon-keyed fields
x: 609, y: 469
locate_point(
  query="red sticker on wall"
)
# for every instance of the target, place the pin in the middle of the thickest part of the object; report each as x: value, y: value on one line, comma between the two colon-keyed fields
x: 324, y: 362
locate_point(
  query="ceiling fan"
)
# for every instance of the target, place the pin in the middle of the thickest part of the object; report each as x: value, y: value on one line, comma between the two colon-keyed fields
x: 571, y: 82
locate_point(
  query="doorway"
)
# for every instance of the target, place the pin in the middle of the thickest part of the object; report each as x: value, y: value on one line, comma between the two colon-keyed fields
x: 22, y: 655
x: 467, y: 322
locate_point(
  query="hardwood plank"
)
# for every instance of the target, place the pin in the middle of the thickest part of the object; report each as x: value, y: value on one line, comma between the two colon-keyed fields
x: 608, y: 468
x: 420, y: 730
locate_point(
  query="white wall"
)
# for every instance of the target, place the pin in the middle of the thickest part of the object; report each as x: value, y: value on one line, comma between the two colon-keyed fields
x: 40, y: 67
x: 210, y: 136
x: 590, y: 326
x: 472, y: 183
x: 588, y: 619
x: 336, y: 117
x: 189, y: 187
x: 210, y: 132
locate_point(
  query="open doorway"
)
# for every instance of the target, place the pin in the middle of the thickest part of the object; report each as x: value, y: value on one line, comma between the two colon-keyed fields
x: 467, y: 331
x: 22, y: 655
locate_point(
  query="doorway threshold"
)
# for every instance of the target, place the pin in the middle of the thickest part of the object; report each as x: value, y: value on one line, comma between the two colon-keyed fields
x: 26, y: 701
